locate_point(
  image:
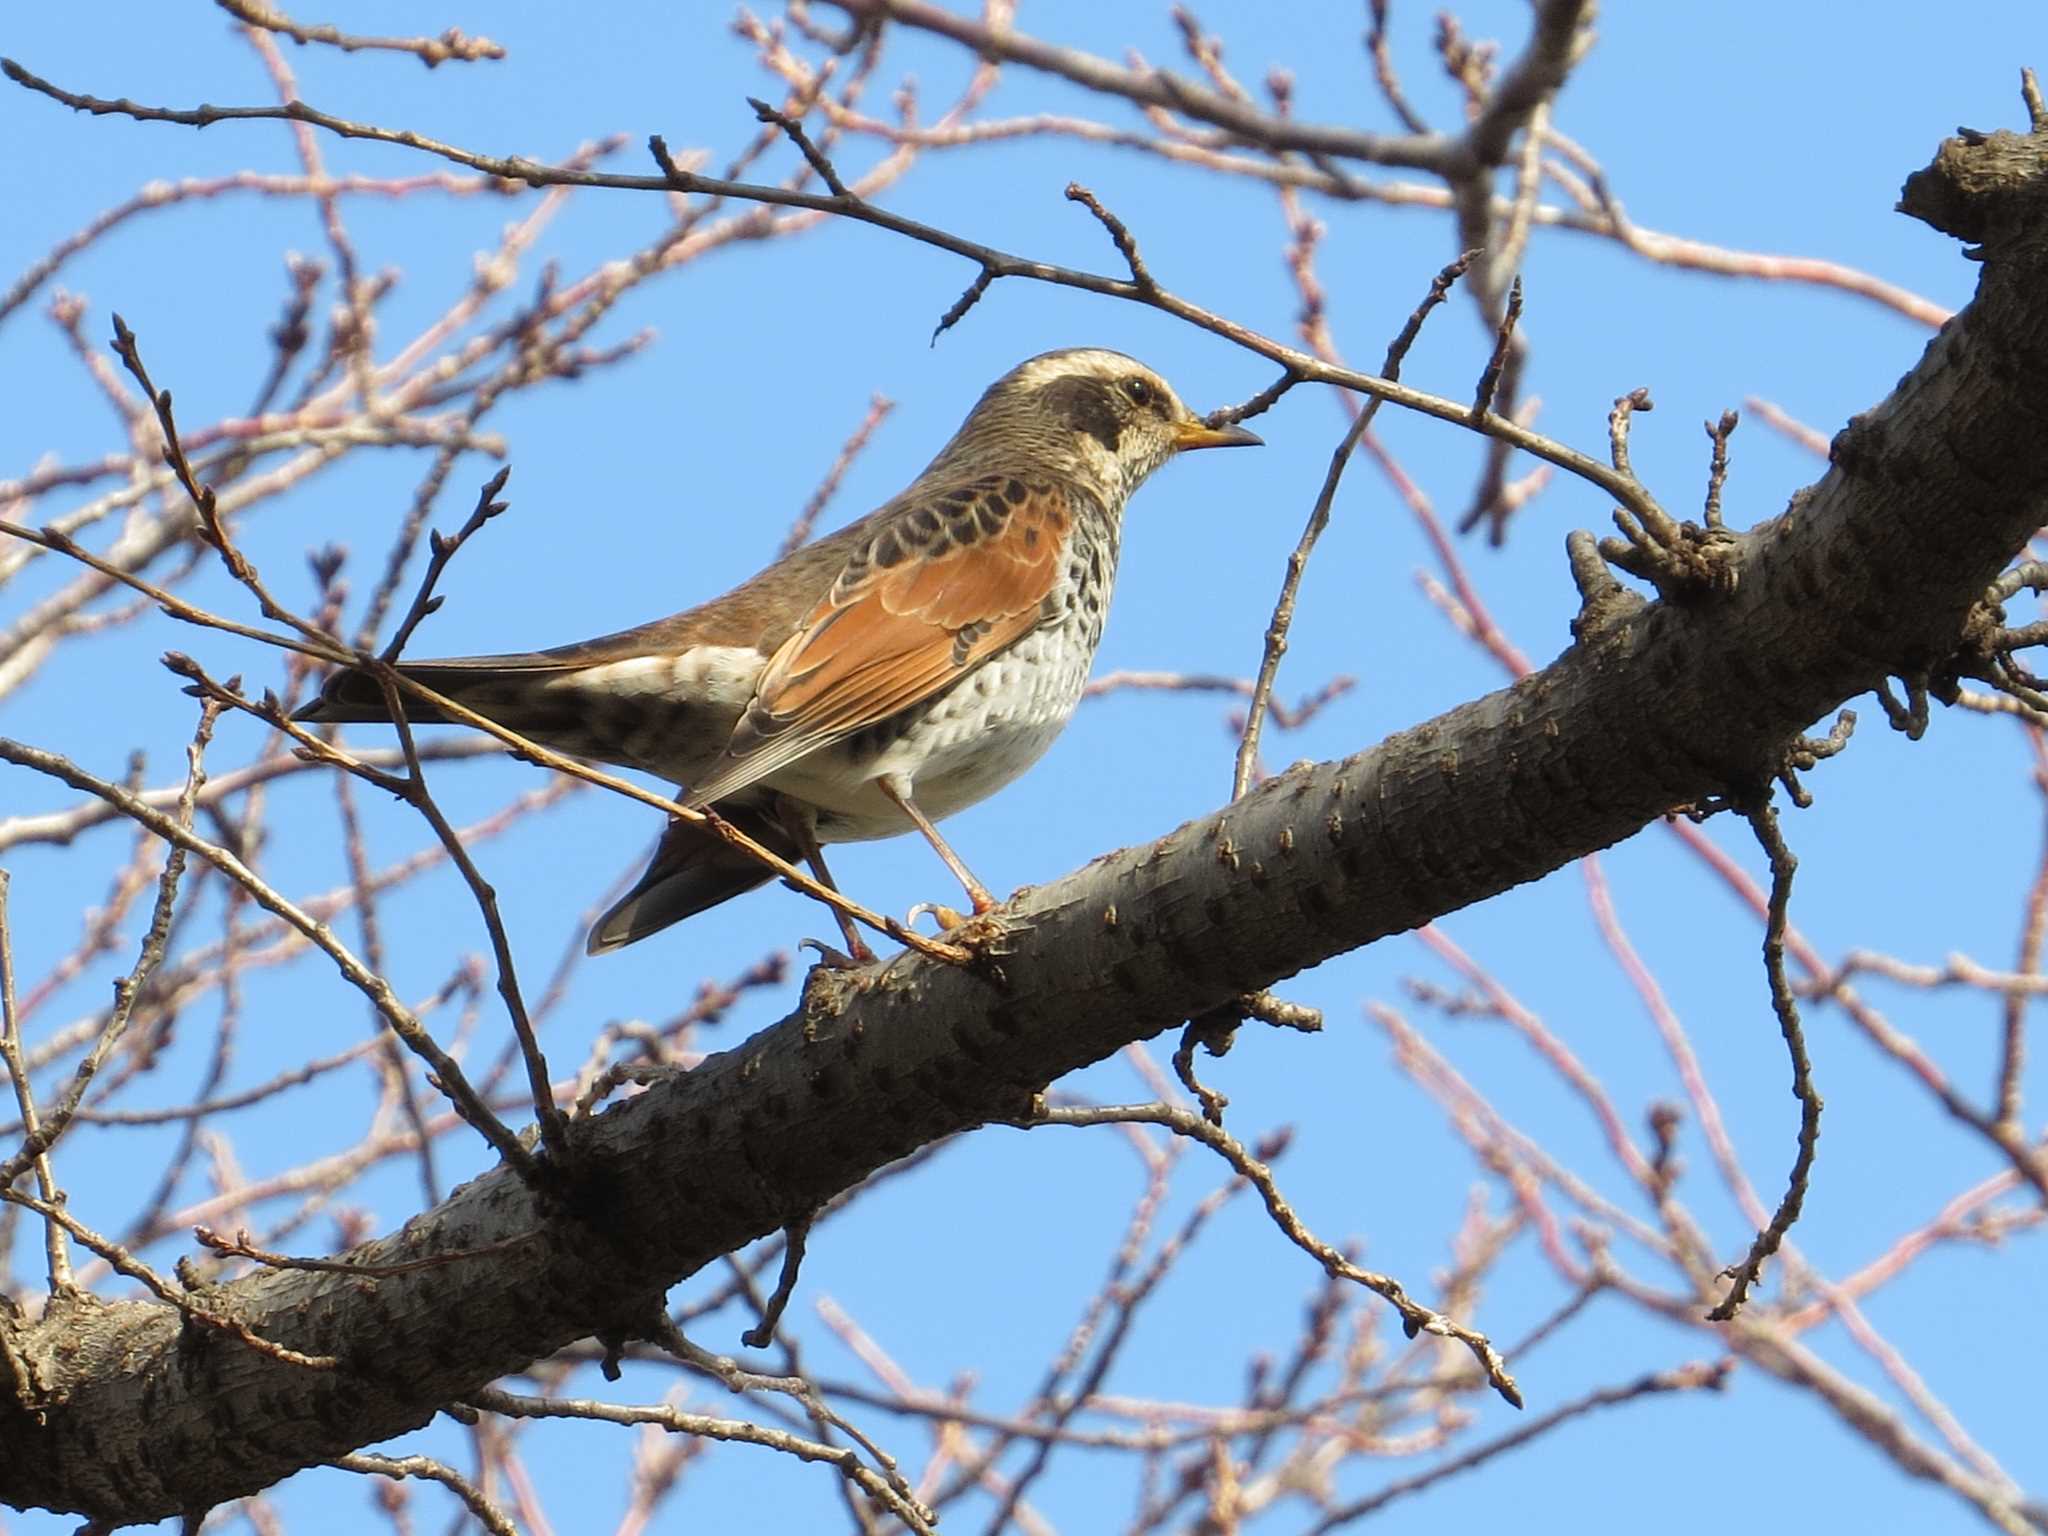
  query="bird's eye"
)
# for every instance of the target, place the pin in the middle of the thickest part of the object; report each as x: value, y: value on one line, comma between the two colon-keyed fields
x: 1140, y: 391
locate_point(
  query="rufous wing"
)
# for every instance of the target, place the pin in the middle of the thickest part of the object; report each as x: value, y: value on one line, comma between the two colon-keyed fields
x: 953, y: 580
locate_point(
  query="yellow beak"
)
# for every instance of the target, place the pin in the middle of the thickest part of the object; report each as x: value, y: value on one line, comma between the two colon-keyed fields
x: 1194, y: 433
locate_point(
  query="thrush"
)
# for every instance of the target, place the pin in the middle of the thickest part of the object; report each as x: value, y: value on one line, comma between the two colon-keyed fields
x: 872, y: 682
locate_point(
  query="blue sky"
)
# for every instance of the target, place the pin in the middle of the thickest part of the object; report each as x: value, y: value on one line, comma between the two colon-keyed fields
x: 646, y: 487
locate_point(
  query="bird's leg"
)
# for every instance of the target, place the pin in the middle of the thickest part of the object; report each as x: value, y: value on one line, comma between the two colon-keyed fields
x: 802, y: 823
x: 897, y: 788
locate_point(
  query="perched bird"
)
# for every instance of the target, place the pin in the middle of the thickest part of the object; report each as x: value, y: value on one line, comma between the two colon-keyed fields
x: 872, y: 682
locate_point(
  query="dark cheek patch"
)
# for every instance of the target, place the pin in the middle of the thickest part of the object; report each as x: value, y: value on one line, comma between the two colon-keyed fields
x: 1086, y: 405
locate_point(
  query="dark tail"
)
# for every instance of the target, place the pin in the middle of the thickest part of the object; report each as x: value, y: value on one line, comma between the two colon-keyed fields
x: 511, y: 690
x: 349, y: 697
x: 692, y: 870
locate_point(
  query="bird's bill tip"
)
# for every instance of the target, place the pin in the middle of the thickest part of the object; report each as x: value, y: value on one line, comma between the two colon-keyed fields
x: 1194, y: 433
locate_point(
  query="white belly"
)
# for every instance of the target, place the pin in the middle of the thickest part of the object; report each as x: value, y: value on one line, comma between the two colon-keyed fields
x: 966, y: 745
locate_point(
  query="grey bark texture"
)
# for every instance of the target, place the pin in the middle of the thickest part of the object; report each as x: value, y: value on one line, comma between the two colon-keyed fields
x: 120, y: 1411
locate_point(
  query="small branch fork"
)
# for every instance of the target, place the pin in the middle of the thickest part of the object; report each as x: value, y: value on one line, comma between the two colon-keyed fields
x: 1701, y: 1376
x: 1686, y: 561
x: 1682, y: 560
x: 1415, y: 1318
x: 441, y: 550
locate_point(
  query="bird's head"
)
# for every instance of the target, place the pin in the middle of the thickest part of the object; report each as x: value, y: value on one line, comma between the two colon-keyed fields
x: 1100, y: 416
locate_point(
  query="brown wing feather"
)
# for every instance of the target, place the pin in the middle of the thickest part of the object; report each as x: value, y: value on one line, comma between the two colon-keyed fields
x: 948, y: 582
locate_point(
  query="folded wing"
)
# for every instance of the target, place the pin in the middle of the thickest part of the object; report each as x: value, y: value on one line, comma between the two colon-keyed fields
x: 942, y: 585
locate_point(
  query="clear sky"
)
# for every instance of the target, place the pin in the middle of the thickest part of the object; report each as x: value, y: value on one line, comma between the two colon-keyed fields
x: 651, y: 485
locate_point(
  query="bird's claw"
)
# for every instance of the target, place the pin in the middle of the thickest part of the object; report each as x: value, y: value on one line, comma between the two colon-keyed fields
x: 838, y: 959
x: 946, y: 917
x: 979, y: 934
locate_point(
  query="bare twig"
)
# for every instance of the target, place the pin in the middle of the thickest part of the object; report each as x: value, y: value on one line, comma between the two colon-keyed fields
x: 846, y: 1460
x: 1763, y: 820
x: 1126, y: 244
x: 794, y: 1237
x: 811, y: 153
x: 442, y: 550
x: 1503, y: 336
x: 127, y: 991
x: 1686, y: 1378
x: 488, y: 1515
x: 1717, y: 471
x: 124, y: 1262
x: 211, y: 527
x: 57, y: 1258
x: 1318, y: 519
x: 430, y: 51
x: 800, y: 531
x: 1415, y: 1318
x: 240, y: 1246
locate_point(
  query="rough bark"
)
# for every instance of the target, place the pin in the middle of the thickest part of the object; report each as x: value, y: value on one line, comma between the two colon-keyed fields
x: 119, y: 1411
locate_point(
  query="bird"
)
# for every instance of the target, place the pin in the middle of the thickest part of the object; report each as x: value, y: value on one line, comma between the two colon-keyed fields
x: 869, y: 683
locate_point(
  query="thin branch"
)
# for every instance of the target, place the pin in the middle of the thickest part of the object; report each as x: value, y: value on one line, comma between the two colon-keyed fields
x: 800, y: 531
x: 57, y: 1259
x: 1686, y: 1378
x: 1126, y: 243
x: 1318, y: 519
x: 211, y: 527
x: 129, y: 989
x: 794, y: 1236
x: 737, y: 1378
x: 1763, y: 820
x: 168, y: 1291
x: 397, y: 1468
x: 1718, y: 432
x: 240, y: 1246
x: 1415, y: 1318
x: 845, y: 1459
x: 1503, y: 337
x: 430, y: 51
x: 811, y: 153
x: 442, y: 550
